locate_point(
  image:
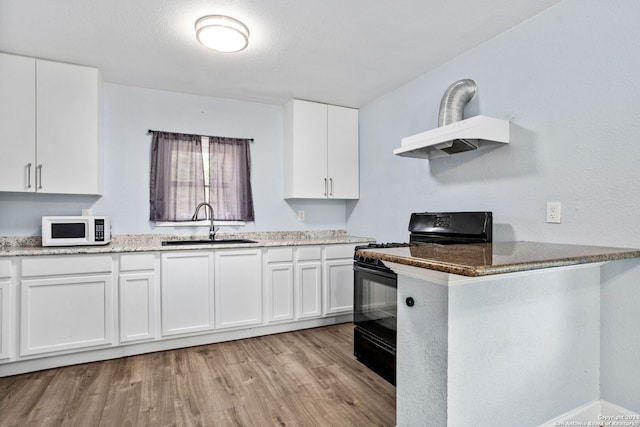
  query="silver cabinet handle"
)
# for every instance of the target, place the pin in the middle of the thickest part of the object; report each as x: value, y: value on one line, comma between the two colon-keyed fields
x: 331, y: 190
x: 28, y: 175
x: 39, y: 177
x: 325, y: 187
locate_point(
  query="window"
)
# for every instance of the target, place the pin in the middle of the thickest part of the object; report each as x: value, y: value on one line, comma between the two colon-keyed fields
x: 190, y: 169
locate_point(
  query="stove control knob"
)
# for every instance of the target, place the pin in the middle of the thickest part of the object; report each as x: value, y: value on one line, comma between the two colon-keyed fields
x: 410, y: 302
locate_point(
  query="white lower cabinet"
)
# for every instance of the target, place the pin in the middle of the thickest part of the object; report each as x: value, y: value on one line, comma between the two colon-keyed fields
x: 60, y: 308
x: 308, y: 282
x: 279, y: 284
x: 238, y: 287
x: 66, y: 304
x: 338, y: 279
x: 187, y: 292
x: 6, y: 313
x: 137, y: 292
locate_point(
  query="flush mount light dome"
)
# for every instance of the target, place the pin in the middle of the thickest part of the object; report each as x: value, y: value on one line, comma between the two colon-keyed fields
x: 222, y: 33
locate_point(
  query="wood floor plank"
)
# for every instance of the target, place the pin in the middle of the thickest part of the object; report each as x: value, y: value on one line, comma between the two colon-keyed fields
x: 304, y: 378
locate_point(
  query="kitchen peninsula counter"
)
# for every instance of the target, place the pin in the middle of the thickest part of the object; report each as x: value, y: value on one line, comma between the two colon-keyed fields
x: 483, y: 259
x: 29, y: 246
x: 514, y: 333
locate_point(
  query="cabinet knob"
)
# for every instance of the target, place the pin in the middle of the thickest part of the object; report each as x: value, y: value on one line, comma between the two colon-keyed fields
x: 410, y: 302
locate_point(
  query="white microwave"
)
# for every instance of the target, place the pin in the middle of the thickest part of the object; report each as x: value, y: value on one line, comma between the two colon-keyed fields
x: 75, y: 230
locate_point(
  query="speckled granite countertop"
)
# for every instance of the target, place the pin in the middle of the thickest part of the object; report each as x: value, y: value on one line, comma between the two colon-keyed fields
x: 482, y: 259
x: 28, y: 246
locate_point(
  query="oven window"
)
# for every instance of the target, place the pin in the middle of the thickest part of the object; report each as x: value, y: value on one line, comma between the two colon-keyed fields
x: 375, y: 304
x: 73, y: 230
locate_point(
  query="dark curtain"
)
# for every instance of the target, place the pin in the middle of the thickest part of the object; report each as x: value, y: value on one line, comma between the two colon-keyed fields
x: 230, y: 179
x: 177, y: 176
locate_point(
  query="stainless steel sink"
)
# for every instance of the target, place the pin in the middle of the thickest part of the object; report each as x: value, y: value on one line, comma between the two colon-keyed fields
x: 206, y: 242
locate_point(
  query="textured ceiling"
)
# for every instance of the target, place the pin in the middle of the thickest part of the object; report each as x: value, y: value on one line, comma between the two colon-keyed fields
x: 344, y: 52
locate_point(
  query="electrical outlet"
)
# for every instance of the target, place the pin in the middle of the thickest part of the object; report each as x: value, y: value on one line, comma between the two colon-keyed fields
x: 554, y: 211
x: 300, y: 215
x: 87, y: 212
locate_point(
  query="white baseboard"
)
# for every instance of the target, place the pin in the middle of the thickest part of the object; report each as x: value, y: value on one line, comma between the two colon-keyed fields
x: 594, y: 414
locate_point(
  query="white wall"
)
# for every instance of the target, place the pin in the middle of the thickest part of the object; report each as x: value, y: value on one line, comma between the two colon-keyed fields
x: 129, y: 113
x: 568, y: 80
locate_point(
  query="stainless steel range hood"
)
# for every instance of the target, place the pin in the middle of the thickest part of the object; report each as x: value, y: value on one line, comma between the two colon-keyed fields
x: 464, y: 135
x: 455, y: 135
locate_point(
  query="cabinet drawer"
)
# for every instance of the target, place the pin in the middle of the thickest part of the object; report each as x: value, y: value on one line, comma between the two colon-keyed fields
x: 5, y: 268
x: 280, y: 254
x: 66, y: 264
x: 339, y: 251
x: 133, y: 262
x: 308, y: 253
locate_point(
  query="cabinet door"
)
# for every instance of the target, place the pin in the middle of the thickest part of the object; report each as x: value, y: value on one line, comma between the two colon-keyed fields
x: 238, y: 279
x: 187, y: 292
x: 137, y: 306
x: 280, y: 291
x: 65, y: 313
x: 305, y: 150
x: 342, y: 153
x: 309, y: 288
x: 6, y: 336
x: 17, y: 123
x: 67, y: 111
x: 338, y: 286
x: 279, y: 284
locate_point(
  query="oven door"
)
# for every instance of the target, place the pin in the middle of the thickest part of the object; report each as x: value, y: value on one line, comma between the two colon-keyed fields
x: 375, y: 302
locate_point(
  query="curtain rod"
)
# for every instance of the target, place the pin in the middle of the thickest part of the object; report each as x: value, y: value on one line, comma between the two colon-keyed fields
x: 206, y: 136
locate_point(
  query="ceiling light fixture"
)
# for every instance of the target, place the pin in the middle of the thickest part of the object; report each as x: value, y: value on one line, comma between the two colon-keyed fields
x: 222, y: 33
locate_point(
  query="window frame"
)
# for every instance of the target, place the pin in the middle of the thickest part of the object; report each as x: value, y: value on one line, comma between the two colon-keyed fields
x: 206, y: 222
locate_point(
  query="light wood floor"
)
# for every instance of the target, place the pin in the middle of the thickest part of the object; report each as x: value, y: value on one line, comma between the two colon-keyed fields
x: 304, y: 378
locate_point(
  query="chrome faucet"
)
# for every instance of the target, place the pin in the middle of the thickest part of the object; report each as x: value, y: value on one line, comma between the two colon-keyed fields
x: 212, y: 230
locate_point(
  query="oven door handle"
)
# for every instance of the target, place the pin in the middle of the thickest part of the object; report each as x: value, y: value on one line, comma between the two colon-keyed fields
x: 358, y: 267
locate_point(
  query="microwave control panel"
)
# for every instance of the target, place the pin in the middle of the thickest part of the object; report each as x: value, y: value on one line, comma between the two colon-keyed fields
x: 99, y: 230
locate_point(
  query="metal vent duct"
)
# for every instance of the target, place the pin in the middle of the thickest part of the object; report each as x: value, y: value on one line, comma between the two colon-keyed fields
x: 455, y: 98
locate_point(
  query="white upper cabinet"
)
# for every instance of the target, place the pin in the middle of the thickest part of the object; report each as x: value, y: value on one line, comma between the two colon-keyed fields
x: 320, y: 151
x: 342, y: 149
x: 17, y: 123
x: 49, y: 127
x: 68, y: 101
